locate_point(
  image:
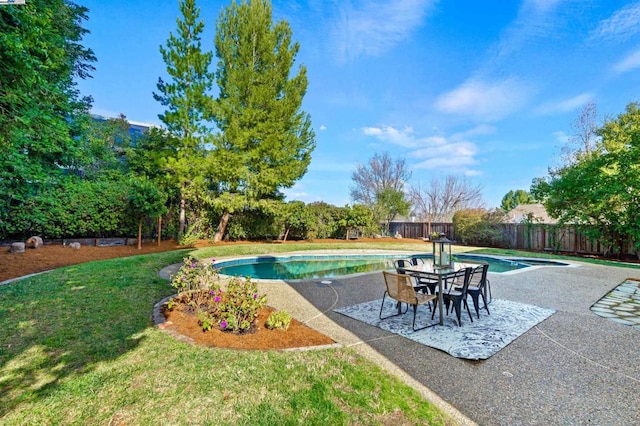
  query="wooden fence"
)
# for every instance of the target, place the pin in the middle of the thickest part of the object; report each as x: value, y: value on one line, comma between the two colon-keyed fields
x: 421, y: 230
x: 520, y: 236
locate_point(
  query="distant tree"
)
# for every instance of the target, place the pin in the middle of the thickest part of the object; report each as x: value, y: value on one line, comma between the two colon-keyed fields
x: 265, y: 139
x: 379, y: 174
x: 106, y: 147
x: 187, y: 99
x: 145, y: 200
x: 297, y: 218
x: 585, y: 137
x: 443, y: 197
x: 326, y: 220
x: 41, y: 109
x: 356, y: 218
x: 515, y: 198
x: 389, y: 204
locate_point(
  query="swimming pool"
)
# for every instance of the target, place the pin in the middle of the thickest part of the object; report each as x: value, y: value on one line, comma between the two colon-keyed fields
x: 301, y: 267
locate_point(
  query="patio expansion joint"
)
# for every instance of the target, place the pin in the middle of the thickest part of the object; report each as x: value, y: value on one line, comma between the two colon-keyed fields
x: 589, y: 360
x: 330, y: 308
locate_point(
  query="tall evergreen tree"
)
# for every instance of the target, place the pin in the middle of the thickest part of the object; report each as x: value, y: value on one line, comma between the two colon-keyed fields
x: 265, y: 140
x: 186, y: 98
x: 41, y: 110
x: 512, y: 199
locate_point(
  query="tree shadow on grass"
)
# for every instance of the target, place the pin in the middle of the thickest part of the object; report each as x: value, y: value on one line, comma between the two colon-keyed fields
x: 64, y: 322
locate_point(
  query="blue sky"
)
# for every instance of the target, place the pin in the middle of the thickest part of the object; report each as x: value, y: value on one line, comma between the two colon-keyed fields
x: 482, y: 89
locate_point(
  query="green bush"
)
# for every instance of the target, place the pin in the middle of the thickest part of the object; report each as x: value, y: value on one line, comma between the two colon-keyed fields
x: 479, y: 227
x: 279, y: 319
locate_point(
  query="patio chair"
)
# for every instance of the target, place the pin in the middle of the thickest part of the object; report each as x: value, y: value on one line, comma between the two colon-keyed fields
x: 401, y: 264
x: 431, y: 284
x: 478, y: 286
x: 400, y: 288
x: 457, y: 297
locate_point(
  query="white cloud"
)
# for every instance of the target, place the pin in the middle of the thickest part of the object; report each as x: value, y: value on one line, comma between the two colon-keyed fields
x: 389, y: 134
x: 535, y: 19
x: 623, y: 24
x: 449, y: 155
x: 323, y: 127
x: 482, y: 129
x: 561, y: 137
x: 434, y: 152
x: 374, y: 27
x: 565, y: 105
x: 629, y: 63
x: 484, y: 100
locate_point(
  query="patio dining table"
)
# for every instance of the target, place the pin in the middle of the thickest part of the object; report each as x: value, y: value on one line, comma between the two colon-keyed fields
x: 429, y: 271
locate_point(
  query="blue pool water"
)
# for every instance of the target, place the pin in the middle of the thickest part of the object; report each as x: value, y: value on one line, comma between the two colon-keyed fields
x: 316, y: 267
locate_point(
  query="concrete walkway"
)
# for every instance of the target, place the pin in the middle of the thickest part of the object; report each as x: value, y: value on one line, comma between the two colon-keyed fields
x: 574, y: 368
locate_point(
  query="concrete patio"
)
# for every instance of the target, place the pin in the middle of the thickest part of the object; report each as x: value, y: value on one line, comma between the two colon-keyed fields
x: 573, y: 368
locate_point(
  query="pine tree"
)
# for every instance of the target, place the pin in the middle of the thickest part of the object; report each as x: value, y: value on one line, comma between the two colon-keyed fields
x: 187, y: 99
x: 265, y: 140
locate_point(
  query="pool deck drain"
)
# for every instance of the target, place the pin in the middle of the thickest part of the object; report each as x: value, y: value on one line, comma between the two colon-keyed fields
x: 621, y: 305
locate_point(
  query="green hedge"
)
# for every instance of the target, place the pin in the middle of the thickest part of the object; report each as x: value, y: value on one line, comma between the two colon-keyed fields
x: 71, y: 208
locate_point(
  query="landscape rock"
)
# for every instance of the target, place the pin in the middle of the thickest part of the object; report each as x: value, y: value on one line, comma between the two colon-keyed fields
x: 74, y: 245
x: 34, y: 242
x: 164, y: 325
x: 17, y: 247
x: 398, y: 236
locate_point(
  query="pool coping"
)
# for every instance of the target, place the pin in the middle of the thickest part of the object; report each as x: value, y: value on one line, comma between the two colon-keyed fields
x: 381, y: 254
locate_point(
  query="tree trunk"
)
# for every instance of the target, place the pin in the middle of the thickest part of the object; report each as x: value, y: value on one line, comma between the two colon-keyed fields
x: 183, y: 217
x: 285, y: 234
x: 222, y: 226
x: 140, y: 234
x: 159, y: 229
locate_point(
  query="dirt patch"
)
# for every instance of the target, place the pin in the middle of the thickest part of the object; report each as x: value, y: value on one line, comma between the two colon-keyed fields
x: 13, y: 265
x: 296, y: 336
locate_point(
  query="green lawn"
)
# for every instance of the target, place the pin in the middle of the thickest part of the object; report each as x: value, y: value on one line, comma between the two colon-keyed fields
x: 78, y: 347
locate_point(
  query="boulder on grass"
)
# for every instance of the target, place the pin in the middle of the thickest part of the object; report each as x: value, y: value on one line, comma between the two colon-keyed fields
x: 17, y: 248
x: 75, y: 246
x: 34, y: 242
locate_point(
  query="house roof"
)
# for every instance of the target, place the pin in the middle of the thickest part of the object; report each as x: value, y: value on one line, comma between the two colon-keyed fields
x: 523, y: 212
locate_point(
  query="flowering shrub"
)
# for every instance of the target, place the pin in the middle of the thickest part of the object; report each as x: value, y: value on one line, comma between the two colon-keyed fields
x: 195, y: 275
x: 234, y: 308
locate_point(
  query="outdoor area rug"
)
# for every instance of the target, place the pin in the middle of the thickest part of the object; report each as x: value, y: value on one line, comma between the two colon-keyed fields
x: 474, y: 340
